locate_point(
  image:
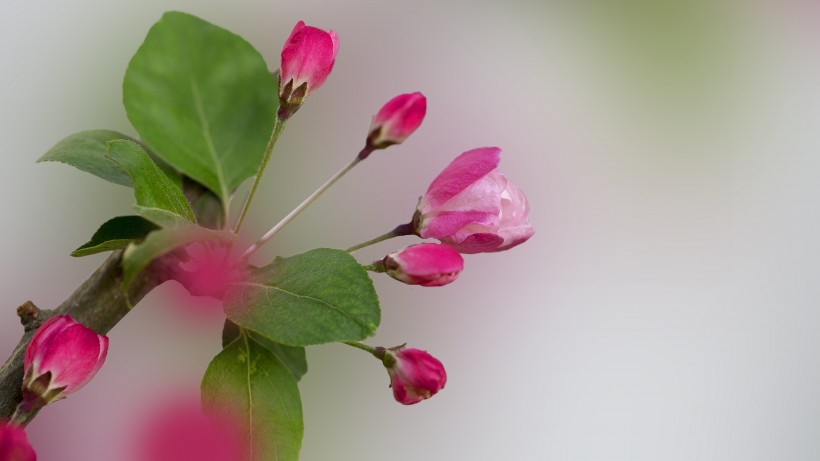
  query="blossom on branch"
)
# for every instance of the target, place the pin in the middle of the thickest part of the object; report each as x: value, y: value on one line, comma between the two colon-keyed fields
x: 415, y: 375
x: 474, y: 208
x: 61, y: 358
x: 307, y: 59
x: 425, y: 264
x: 397, y: 120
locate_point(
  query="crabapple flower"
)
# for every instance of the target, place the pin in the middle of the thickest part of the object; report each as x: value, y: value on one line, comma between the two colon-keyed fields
x: 425, y: 264
x: 473, y: 208
x: 397, y: 120
x: 307, y: 59
x: 61, y: 358
x: 415, y: 375
x: 14, y: 444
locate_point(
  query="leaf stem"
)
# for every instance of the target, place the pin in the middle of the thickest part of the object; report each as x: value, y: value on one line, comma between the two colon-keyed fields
x: 296, y: 211
x: 404, y: 229
x: 278, y: 126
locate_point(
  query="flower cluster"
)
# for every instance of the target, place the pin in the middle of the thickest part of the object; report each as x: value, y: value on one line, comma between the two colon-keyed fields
x: 469, y: 207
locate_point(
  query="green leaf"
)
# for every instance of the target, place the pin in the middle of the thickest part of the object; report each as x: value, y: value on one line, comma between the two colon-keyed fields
x: 116, y: 234
x: 293, y: 358
x: 257, y: 389
x: 86, y: 151
x: 317, y: 297
x: 158, y: 198
x: 139, y: 255
x: 202, y: 98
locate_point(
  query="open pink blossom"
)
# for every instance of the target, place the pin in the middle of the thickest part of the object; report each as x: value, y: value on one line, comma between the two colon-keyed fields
x: 397, y: 120
x: 473, y: 208
x: 415, y: 375
x: 14, y: 444
x: 61, y: 358
x: 425, y: 264
x: 307, y: 59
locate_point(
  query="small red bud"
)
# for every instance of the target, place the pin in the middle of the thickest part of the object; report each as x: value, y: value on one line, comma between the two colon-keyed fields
x: 397, y: 120
x: 61, y: 358
x: 415, y: 375
x: 307, y: 59
x: 425, y: 264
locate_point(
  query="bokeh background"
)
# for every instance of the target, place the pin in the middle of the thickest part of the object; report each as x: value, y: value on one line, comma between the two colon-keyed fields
x: 666, y: 309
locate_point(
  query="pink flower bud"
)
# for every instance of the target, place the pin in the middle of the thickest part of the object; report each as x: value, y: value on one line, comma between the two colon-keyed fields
x: 61, y: 358
x: 426, y: 264
x: 397, y: 120
x: 14, y: 444
x: 415, y: 375
x: 473, y: 208
x: 307, y: 59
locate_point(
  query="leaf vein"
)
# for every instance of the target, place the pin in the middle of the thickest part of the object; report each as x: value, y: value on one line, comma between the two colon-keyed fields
x: 361, y: 324
x: 206, y: 132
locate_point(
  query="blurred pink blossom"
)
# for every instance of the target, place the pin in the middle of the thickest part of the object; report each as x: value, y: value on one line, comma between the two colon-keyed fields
x: 177, y: 430
x: 14, y: 444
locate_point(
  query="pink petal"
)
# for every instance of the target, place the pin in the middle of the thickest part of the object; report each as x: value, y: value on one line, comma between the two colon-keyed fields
x: 299, y: 26
x: 72, y: 357
x: 399, y: 118
x: 445, y: 224
x: 43, y: 336
x: 335, y: 39
x: 426, y: 264
x: 514, y: 236
x: 460, y: 174
x: 308, y: 56
x: 476, y: 243
x: 429, y: 259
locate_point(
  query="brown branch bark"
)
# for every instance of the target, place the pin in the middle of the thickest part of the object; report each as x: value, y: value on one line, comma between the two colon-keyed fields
x: 99, y: 303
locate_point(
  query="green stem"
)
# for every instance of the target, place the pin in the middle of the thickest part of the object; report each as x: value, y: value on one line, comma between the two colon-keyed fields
x: 278, y: 126
x: 376, y: 266
x: 293, y: 214
x: 361, y: 346
x: 24, y: 413
x: 404, y: 229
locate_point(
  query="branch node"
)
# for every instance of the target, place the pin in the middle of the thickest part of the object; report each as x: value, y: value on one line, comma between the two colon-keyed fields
x: 31, y: 316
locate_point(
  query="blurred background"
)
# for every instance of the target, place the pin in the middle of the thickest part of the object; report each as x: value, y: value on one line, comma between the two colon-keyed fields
x: 666, y: 309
